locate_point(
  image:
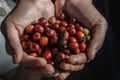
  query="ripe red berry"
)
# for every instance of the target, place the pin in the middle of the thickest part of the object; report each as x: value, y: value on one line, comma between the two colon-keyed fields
x: 60, y: 56
x: 78, y: 27
x: 42, y: 21
x: 47, y: 24
x: 65, y: 35
x: 54, y: 26
x: 50, y: 62
x: 72, y: 20
x: 71, y: 25
x: 72, y: 39
x: 36, y: 36
x: 53, y: 39
x: 77, y: 51
x: 79, y: 35
x: 61, y: 29
x: 63, y: 24
x: 47, y: 55
x: 61, y: 16
x: 25, y: 37
x: 34, y: 47
x: 39, y: 28
x: 50, y: 32
x: 71, y: 31
x: 73, y: 45
x: 82, y: 46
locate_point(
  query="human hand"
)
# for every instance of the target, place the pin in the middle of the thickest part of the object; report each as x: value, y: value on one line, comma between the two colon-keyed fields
x: 87, y: 15
x: 25, y: 12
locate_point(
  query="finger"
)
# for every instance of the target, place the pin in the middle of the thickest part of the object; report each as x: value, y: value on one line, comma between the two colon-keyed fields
x: 32, y: 71
x: 77, y: 59
x: 38, y: 64
x: 96, y: 23
x: 8, y: 49
x: 33, y: 62
x: 70, y: 67
x: 46, y: 71
x: 98, y: 35
x: 62, y: 76
x: 58, y: 5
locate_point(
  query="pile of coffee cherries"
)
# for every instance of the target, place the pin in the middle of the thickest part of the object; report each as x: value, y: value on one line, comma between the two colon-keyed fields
x: 55, y: 39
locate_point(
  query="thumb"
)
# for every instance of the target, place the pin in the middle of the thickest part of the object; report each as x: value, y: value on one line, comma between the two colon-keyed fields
x: 12, y: 38
x: 58, y: 5
x: 98, y: 35
x: 62, y: 76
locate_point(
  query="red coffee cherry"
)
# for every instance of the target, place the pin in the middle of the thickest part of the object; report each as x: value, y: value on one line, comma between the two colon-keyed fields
x: 82, y: 46
x: 47, y: 55
x: 39, y: 28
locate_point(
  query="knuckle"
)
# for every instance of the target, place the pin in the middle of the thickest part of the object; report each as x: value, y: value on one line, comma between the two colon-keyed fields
x: 40, y: 62
x: 48, y: 70
x: 72, y: 59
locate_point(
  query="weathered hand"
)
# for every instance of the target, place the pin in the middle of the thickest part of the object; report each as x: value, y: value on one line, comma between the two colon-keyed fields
x: 87, y: 15
x: 25, y: 12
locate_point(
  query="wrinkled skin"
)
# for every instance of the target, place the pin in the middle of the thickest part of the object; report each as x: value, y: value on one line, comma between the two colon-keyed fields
x: 25, y: 12
x: 87, y: 14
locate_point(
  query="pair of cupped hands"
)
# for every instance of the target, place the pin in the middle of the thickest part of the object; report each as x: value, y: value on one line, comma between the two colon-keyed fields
x: 27, y: 11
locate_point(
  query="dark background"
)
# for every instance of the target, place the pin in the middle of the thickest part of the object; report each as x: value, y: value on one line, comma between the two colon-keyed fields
x: 106, y: 65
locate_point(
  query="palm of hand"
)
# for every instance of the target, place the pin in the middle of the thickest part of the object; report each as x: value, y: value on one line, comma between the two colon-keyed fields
x: 12, y: 27
x: 24, y: 14
x: 88, y: 16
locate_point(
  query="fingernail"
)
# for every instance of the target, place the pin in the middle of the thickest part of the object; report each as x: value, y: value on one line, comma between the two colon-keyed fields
x: 93, y: 54
x: 56, y: 73
x: 16, y: 58
x: 88, y: 61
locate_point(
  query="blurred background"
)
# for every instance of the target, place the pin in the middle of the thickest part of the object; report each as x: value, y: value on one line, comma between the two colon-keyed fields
x: 6, y: 63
